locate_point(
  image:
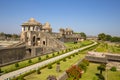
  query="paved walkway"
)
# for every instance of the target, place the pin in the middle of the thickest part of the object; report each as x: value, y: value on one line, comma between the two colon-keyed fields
x: 41, y: 64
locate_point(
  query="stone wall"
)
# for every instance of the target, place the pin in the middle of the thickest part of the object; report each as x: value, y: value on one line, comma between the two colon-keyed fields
x: 96, y: 59
x: 9, y: 55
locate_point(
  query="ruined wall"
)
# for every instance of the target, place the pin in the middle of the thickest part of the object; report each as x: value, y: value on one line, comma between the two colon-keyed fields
x: 9, y: 55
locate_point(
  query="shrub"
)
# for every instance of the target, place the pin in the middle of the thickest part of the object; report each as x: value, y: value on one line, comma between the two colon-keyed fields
x: 38, y: 71
x: 58, y: 62
x: 100, y: 76
x: 86, y: 62
x: 58, y: 53
x: 64, y: 59
x: 83, y: 66
x: 16, y: 65
x: 76, y: 53
x: 53, y: 54
x: 49, y: 66
x: 113, y: 68
x: 73, y: 55
x: 69, y: 57
x: 39, y: 58
x: 47, y: 56
x: 21, y: 77
x: 29, y: 61
x: 74, y: 72
x: 0, y: 70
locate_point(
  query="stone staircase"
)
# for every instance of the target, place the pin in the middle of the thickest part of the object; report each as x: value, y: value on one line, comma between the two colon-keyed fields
x: 57, y: 44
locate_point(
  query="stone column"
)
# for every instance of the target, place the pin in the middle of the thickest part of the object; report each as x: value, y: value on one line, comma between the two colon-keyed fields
x: 22, y: 28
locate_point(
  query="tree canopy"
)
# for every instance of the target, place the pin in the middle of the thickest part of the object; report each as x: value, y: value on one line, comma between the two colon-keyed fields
x: 106, y: 37
x: 83, y: 35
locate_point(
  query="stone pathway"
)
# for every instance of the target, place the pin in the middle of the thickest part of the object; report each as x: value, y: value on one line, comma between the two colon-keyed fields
x: 41, y: 64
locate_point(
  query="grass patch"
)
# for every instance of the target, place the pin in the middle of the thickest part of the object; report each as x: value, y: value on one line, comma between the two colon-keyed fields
x: 63, y: 66
x: 105, y: 47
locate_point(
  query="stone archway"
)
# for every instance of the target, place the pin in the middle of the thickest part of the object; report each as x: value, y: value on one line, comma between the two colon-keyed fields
x: 34, y: 40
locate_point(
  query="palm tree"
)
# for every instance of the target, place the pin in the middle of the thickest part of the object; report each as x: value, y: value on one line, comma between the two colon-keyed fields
x: 101, y: 68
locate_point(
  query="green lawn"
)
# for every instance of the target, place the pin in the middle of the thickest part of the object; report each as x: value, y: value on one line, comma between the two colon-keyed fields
x: 113, y: 75
x: 92, y: 69
x: 63, y: 66
x: 90, y: 73
x: 104, y: 47
x: 77, y: 45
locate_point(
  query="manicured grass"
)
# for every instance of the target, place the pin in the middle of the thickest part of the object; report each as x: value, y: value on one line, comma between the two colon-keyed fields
x: 90, y: 73
x: 77, y: 45
x: 104, y: 47
x: 113, y: 75
x: 63, y: 66
x: 92, y: 70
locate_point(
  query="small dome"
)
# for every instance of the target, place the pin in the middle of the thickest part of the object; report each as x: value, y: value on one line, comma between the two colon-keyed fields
x: 46, y: 26
x: 32, y: 20
x: 68, y: 29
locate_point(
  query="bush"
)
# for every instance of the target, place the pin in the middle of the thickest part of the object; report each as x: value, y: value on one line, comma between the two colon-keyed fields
x: 38, y: 71
x: 76, y: 53
x: 113, y: 68
x: 69, y: 57
x: 47, y: 56
x: 100, y: 76
x: 39, y: 58
x: 0, y: 70
x: 58, y: 53
x: 50, y: 66
x: 16, y: 65
x: 83, y: 66
x: 73, y: 55
x: 58, y: 62
x: 64, y: 59
x: 74, y: 72
x: 21, y: 77
x: 29, y: 61
x: 86, y: 62
x: 53, y: 54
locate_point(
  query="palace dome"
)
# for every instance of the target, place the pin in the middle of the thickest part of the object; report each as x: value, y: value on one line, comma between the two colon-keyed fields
x: 46, y: 26
x: 31, y: 22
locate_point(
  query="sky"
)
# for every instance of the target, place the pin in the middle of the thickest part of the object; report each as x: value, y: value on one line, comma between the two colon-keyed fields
x: 89, y: 16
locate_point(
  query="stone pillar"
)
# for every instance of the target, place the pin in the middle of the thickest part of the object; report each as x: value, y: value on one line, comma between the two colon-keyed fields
x: 23, y: 29
x: 58, y: 68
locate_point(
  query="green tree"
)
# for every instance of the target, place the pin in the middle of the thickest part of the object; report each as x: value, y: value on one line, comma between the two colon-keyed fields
x: 115, y: 39
x: 83, y: 35
x: 101, y: 36
x: 101, y: 68
x: 108, y: 37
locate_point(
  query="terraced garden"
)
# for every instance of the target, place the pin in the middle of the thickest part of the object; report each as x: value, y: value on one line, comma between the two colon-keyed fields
x: 106, y: 47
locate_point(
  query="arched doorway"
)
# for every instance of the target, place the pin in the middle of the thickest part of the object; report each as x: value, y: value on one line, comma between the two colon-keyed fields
x: 34, y: 40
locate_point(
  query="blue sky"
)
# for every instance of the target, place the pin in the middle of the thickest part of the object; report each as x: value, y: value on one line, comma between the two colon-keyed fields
x: 89, y: 16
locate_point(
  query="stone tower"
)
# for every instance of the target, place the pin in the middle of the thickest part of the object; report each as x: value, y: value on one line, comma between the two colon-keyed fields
x: 28, y: 28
